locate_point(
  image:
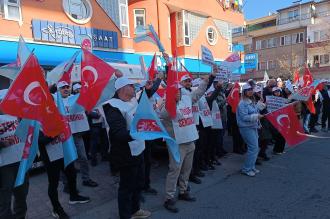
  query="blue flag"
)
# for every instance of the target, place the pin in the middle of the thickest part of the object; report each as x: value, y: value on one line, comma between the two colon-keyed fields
x: 27, y: 132
x: 69, y: 149
x: 147, y: 126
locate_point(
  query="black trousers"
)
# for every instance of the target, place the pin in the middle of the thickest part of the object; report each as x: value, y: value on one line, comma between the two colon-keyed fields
x: 325, y: 116
x: 199, y: 149
x: 279, y: 143
x: 217, y: 142
x: 147, y: 164
x: 53, y: 172
x: 129, y: 191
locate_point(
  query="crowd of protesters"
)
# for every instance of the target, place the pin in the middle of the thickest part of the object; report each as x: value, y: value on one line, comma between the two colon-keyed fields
x: 202, y: 120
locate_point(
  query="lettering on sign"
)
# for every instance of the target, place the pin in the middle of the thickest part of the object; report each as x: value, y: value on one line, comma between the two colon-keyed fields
x: 58, y: 32
x: 148, y: 125
x: 206, y: 112
x: 186, y: 111
x: 186, y: 122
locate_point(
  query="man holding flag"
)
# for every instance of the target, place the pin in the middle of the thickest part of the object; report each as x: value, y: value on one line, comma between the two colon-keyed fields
x: 126, y: 153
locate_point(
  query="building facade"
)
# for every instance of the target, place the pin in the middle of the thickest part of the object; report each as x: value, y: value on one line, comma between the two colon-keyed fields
x: 54, y: 29
x: 287, y: 40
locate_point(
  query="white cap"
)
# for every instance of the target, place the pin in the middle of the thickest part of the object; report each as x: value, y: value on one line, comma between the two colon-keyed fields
x: 276, y: 89
x: 279, y: 80
x: 62, y: 84
x: 257, y: 89
x: 122, y: 82
x: 76, y: 86
x: 185, y: 77
x: 246, y: 86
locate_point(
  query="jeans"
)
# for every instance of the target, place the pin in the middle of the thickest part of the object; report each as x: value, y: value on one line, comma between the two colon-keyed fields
x: 7, y: 180
x: 130, y: 187
x: 306, y: 120
x: 53, y: 172
x: 250, y: 136
x: 82, y: 156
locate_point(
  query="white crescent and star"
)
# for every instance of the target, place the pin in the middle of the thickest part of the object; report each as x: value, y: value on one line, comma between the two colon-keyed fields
x: 93, y: 70
x: 280, y: 117
x: 28, y: 90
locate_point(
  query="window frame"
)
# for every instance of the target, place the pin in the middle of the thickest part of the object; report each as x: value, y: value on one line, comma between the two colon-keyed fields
x: 6, y: 3
x: 79, y: 21
x: 215, y: 35
x: 184, y: 21
x: 125, y: 5
x: 139, y: 15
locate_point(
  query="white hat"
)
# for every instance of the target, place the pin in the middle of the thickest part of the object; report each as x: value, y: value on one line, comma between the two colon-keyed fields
x: 185, y: 77
x: 76, y: 86
x: 246, y: 86
x: 257, y: 89
x: 276, y: 89
x: 122, y: 82
x: 279, y: 80
x: 62, y: 84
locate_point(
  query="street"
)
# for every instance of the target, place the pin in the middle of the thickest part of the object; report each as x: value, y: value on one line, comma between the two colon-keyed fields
x: 292, y: 185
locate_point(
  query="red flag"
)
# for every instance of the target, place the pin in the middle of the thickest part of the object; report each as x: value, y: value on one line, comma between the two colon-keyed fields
x: 233, y: 97
x: 28, y: 97
x: 67, y: 74
x: 310, y: 105
x: 153, y: 68
x: 95, y: 75
x: 286, y: 122
x: 171, y: 91
x: 308, y: 78
x: 296, y: 76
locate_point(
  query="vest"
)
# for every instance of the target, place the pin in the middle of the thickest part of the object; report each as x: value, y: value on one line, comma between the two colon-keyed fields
x: 216, y: 116
x: 205, y: 112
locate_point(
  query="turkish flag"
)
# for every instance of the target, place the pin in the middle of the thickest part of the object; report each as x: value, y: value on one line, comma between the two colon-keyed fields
x: 67, y: 75
x: 28, y: 97
x: 233, y: 97
x: 153, y: 68
x: 308, y: 78
x: 296, y: 76
x: 286, y: 122
x: 95, y: 75
x: 310, y: 105
x: 171, y: 91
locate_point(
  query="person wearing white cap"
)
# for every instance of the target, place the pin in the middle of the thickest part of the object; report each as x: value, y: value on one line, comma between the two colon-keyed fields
x: 288, y: 90
x: 126, y: 153
x: 248, y: 117
x: 279, y: 82
x: 183, y: 129
x: 76, y: 88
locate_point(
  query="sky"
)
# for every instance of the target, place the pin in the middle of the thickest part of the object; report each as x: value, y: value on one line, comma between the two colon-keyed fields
x: 260, y: 8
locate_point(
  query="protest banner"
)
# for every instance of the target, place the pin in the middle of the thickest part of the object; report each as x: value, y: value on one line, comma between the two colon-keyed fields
x: 207, y: 56
x: 274, y: 103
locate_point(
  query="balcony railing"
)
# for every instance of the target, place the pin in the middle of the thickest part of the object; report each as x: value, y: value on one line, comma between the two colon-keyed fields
x: 294, y: 19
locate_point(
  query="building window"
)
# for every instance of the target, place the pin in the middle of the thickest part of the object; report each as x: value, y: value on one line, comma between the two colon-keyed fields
x: 11, y: 10
x: 258, y: 44
x: 123, y: 16
x: 211, y: 35
x: 270, y: 64
x: 263, y: 65
x: 263, y: 44
x: 324, y: 59
x: 139, y: 20
x: 79, y: 11
x: 297, y: 38
x: 271, y: 43
x: 186, y: 29
x: 316, y: 62
x: 316, y: 36
x: 282, y: 42
x: 293, y: 15
x: 287, y: 40
x: 301, y: 37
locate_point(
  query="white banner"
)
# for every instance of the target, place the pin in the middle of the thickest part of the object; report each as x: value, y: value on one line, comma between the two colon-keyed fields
x: 12, y: 153
x: 54, y: 150
x: 235, y: 78
x: 274, y: 103
x: 207, y: 56
x: 223, y: 75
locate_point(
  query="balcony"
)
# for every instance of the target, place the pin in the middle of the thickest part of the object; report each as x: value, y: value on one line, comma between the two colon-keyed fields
x: 289, y: 20
x: 318, y: 44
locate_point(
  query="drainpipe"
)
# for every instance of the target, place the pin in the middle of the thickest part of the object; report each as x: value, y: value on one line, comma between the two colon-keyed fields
x: 158, y: 27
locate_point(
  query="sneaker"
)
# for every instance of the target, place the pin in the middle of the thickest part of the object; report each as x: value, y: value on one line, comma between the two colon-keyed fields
x: 186, y: 197
x: 256, y: 171
x: 249, y: 173
x: 277, y: 153
x: 150, y: 191
x: 200, y: 174
x: 195, y: 179
x: 78, y: 199
x: 89, y: 183
x: 60, y: 214
x: 169, y: 204
x: 141, y: 214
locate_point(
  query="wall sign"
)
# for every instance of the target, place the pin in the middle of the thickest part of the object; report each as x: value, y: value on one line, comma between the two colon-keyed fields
x: 251, y: 61
x: 54, y: 32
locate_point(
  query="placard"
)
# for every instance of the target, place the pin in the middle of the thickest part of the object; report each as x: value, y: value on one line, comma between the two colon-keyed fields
x: 207, y: 56
x: 274, y: 103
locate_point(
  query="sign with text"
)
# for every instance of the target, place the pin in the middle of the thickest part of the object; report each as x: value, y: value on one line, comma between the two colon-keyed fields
x: 54, y: 32
x: 274, y: 103
x: 235, y: 78
x: 207, y: 56
x: 251, y: 61
x: 223, y: 74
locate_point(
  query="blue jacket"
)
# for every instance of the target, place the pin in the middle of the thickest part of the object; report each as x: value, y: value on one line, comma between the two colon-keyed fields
x: 247, y: 114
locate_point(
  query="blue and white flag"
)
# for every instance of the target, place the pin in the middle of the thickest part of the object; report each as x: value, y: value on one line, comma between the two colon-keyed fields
x: 28, y: 132
x: 69, y: 149
x: 147, y: 126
